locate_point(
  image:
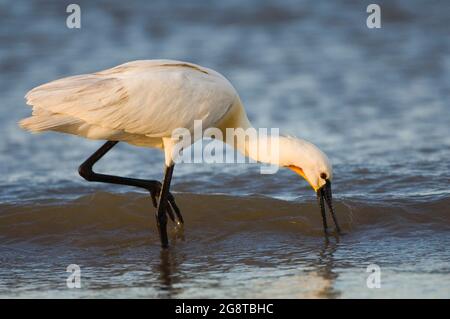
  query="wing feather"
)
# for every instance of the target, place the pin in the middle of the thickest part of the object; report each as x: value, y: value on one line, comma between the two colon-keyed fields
x: 149, y: 98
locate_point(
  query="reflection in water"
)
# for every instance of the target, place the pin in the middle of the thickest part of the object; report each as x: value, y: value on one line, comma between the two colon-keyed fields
x: 169, y: 264
x: 169, y: 275
x: 326, y: 266
x: 319, y: 281
x: 310, y: 69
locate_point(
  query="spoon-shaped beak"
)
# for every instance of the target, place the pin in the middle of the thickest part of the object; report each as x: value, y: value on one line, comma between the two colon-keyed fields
x: 324, y: 195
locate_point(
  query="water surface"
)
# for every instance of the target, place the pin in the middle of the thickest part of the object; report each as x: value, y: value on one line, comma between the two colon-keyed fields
x: 376, y: 101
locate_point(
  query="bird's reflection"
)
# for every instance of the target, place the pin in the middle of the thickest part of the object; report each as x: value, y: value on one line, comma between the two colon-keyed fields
x: 325, y: 268
x: 168, y: 269
x: 167, y: 273
x: 319, y: 280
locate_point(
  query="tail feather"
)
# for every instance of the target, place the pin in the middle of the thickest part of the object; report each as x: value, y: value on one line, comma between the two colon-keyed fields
x: 56, y: 93
x: 46, y: 121
x: 43, y: 120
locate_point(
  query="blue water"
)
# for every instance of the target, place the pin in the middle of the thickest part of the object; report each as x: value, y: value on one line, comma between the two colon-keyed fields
x: 375, y: 100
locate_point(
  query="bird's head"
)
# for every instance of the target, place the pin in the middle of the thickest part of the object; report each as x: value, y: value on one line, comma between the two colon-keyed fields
x: 308, y: 161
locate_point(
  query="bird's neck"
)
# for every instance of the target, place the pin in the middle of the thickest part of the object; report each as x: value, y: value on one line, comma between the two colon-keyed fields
x: 266, y: 147
x: 262, y: 145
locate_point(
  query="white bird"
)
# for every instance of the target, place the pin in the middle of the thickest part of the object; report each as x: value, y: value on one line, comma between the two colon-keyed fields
x: 142, y: 103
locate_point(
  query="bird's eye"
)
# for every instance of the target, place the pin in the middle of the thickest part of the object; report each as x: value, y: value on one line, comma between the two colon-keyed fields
x: 323, y: 175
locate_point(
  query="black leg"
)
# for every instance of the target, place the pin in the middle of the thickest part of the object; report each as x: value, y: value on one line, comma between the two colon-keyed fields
x: 161, y: 218
x: 88, y: 174
x: 154, y: 187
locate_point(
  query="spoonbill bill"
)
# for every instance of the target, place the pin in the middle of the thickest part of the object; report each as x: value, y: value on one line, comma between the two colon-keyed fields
x: 141, y: 103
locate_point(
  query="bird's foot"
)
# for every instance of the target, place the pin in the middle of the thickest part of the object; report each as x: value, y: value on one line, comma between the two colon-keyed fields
x: 177, y: 232
x: 172, y: 209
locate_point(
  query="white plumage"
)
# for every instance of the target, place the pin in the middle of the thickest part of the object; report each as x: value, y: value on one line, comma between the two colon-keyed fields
x: 142, y: 102
x: 138, y: 102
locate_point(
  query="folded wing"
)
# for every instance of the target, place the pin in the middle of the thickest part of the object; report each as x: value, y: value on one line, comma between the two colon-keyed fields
x: 149, y: 98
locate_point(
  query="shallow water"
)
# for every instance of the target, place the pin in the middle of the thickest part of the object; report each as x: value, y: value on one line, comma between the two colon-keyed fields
x: 376, y: 101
